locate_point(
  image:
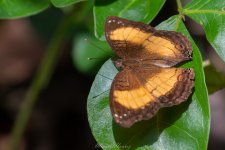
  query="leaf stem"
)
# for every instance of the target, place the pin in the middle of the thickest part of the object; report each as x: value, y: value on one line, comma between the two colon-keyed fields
x: 44, y: 73
x: 179, y: 5
x: 181, y: 15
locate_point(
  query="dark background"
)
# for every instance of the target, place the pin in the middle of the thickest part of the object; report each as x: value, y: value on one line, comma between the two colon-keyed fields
x: 59, y: 120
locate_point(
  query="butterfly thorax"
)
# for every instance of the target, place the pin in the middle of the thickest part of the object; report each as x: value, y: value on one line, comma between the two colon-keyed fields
x: 127, y: 63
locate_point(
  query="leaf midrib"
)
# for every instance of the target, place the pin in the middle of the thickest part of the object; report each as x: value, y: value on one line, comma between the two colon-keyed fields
x: 203, y: 11
x: 126, y: 7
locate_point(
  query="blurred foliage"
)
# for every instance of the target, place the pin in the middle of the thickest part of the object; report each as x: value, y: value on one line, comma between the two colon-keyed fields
x: 215, y: 80
x: 89, y: 53
x: 45, y: 25
x: 23, y: 8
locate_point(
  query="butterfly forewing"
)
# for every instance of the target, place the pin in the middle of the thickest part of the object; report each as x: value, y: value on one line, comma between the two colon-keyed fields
x: 137, y: 40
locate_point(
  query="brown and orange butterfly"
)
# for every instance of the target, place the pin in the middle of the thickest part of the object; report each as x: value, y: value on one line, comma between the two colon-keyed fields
x: 147, y: 80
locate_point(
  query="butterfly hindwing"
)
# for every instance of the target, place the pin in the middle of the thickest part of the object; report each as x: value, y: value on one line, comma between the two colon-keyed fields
x: 139, y: 93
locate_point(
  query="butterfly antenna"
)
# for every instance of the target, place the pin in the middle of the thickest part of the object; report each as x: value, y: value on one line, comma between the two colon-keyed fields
x: 99, y: 94
x: 98, y: 47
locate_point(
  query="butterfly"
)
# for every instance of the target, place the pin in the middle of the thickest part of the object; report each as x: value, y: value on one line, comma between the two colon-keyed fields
x: 147, y: 80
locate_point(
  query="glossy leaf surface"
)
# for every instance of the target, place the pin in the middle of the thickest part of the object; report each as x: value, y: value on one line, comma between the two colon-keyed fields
x: 211, y: 15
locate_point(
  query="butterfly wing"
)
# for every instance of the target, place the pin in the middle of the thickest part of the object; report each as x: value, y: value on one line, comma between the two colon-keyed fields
x: 138, y: 94
x: 137, y: 40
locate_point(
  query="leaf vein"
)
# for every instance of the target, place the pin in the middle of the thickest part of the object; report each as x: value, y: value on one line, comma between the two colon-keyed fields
x: 126, y: 7
x: 204, y: 11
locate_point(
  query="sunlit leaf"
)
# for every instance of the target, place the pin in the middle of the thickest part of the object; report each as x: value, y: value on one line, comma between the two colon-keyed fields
x: 211, y: 15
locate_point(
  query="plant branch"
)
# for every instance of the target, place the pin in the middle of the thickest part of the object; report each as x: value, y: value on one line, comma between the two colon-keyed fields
x: 180, y: 10
x: 179, y: 5
x: 44, y: 73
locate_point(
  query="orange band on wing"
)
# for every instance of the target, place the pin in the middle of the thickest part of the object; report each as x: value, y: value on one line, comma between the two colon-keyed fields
x: 154, y: 87
x: 151, y: 43
x: 132, y: 35
x: 133, y: 99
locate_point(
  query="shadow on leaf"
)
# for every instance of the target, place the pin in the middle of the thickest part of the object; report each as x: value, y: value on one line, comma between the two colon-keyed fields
x: 103, y: 2
x: 146, y: 133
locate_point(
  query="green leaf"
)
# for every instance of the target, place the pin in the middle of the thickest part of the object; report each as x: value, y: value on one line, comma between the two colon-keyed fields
x: 21, y: 8
x: 92, y: 48
x: 211, y: 15
x: 185, y: 126
x: 63, y: 3
x: 130, y: 9
x: 215, y: 80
